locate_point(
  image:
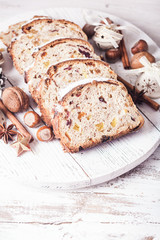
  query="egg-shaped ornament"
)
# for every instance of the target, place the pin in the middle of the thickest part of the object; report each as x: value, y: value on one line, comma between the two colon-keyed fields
x: 107, y: 36
x: 149, y: 84
x: 149, y: 79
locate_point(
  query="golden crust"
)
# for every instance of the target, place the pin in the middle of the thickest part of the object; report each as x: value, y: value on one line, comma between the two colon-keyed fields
x: 54, y: 68
x: 13, y: 56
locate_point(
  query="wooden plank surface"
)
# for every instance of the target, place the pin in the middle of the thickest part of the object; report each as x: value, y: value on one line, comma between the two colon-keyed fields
x: 126, y: 207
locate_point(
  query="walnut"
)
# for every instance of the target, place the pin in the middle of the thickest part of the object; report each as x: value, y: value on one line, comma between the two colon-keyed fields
x: 15, y: 99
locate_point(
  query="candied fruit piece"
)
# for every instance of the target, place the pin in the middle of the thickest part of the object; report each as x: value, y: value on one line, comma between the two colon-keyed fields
x: 89, y: 117
x: 33, y: 31
x: 126, y: 104
x: 43, y: 54
x: 85, y: 75
x: 46, y: 64
x: 100, y: 126
x: 30, y: 37
x: 67, y: 114
x: 81, y: 114
x: 36, y: 43
x: 97, y: 70
x: 45, y: 40
x: 76, y: 127
x: 66, y: 134
x: 113, y: 123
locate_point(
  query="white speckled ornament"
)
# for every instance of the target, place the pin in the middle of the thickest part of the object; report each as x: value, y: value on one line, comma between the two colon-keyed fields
x: 149, y: 80
x: 107, y: 37
x: 149, y: 84
x: 107, y: 34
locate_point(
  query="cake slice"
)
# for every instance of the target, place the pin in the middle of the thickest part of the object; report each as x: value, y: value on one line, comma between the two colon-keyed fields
x: 38, y: 33
x: 15, y: 30
x: 64, y: 74
x: 53, y: 26
x: 12, y: 31
x: 53, y: 53
x: 94, y: 113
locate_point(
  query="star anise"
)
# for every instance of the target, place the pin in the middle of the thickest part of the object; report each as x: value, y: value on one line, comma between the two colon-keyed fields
x: 136, y: 95
x: 6, y: 133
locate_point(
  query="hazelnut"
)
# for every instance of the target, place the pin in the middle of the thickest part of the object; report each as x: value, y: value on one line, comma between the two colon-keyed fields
x: 15, y: 99
x: 112, y: 55
x: 89, y: 30
x: 140, y: 46
x: 45, y: 134
x: 32, y: 119
x: 135, y: 59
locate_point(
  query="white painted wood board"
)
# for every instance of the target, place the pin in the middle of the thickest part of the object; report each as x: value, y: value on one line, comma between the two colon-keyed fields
x: 47, y: 165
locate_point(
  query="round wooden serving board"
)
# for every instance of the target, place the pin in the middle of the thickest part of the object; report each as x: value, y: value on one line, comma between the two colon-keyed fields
x: 47, y: 165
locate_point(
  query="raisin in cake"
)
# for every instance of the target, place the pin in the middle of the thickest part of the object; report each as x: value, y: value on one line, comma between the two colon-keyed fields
x: 53, y: 53
x: 15, y: 30
x: 93, y: 113
x: 37, y: 33
x: 62, y: 75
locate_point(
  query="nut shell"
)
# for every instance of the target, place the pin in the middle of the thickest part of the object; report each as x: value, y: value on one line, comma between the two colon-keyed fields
x: 25, y: 103
x: 12, y: 100
x: 89, y: 30
x: 135, y: 63
x: 140, y: 46
x: 113, y: 55
x: 15, y: 99
x: 32, y: 119
x: 45, y: 134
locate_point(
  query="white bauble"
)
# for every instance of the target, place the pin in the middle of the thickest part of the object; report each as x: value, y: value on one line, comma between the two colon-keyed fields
x: 148, y: 82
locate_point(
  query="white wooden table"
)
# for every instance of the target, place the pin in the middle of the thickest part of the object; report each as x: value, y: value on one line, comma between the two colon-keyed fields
x: 125, y: 208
